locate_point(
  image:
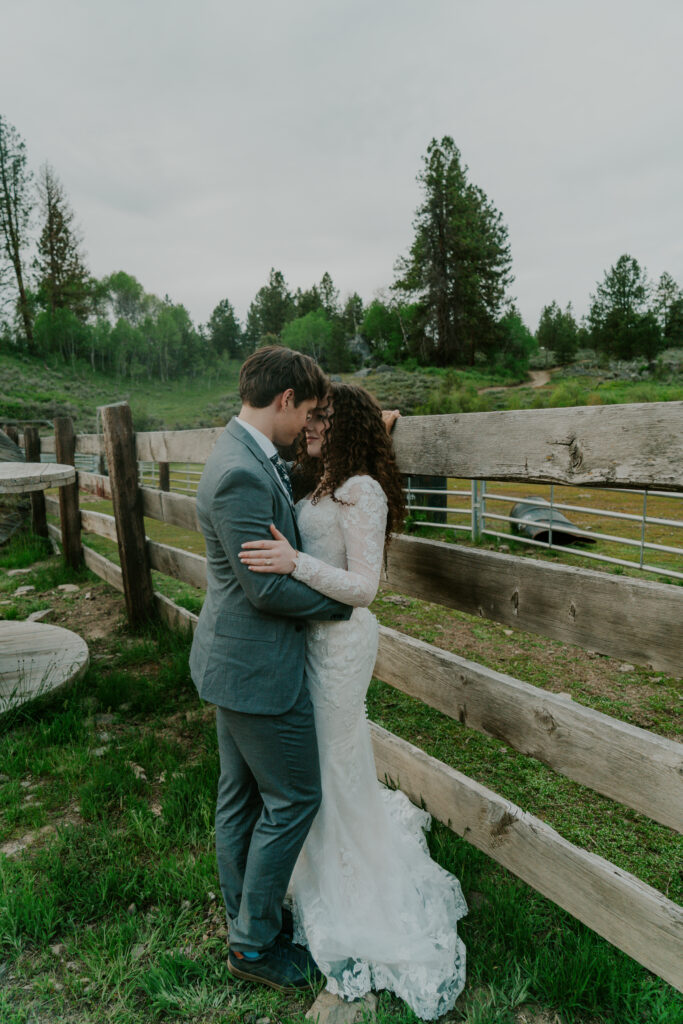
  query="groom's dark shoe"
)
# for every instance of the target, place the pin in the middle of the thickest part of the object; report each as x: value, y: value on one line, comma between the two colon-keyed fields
x: 285, y: 967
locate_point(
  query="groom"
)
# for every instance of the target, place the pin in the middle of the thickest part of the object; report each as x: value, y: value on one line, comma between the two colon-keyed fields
x: 247, y: 658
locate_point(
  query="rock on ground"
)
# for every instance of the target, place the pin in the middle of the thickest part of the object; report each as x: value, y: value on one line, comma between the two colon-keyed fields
x: 329, y: 1009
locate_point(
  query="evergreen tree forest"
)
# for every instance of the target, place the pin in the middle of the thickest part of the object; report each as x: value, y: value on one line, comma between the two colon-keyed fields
x: 449, y: 304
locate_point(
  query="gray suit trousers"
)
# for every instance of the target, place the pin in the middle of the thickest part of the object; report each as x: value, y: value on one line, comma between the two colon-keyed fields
x: 268, y: 796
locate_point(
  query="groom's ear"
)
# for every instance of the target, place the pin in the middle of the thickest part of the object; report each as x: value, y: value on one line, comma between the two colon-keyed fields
x: 287, y: 399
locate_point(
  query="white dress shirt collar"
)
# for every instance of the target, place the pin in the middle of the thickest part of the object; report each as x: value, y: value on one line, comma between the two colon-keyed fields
x: 264, y: 443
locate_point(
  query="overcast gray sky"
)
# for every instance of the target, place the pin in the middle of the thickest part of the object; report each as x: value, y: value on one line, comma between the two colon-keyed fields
x: 201, y: 143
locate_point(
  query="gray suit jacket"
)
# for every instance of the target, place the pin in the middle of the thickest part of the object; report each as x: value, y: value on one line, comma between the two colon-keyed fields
x: 249, y: 645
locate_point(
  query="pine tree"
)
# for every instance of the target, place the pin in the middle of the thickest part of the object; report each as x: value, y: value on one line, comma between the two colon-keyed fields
x: 61, y: 274
x: 621, y: 324
x: 272, y: 308
x: 558, y: 332
x: 224, y: 330
x: 458, y: 268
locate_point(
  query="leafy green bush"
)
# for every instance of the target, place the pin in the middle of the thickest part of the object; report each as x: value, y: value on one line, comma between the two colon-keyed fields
x: 454, y: 395
x: 568, y: 393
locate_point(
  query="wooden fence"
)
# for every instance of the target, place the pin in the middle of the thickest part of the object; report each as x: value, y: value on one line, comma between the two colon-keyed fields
x: 638, y: 446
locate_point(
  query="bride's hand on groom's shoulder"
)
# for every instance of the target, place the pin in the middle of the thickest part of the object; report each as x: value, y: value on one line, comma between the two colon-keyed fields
x: 275, y: 555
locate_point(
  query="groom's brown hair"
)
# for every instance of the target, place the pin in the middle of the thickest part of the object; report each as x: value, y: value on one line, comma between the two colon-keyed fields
x: 269, y: 371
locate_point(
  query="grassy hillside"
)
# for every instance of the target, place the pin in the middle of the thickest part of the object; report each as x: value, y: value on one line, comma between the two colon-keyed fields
x: 32, y: 389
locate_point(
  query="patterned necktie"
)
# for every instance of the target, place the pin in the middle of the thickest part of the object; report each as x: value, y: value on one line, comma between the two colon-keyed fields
x: 283, y: 473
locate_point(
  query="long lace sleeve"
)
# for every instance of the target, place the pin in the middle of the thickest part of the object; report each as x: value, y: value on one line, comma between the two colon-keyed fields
x: 363, y: 519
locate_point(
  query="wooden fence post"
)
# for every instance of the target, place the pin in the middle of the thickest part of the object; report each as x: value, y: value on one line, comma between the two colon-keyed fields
x: 32, y: 449
x: 69, y: 514
x: 12, y: 433
x: 119, y: 446
x: 164, y: 476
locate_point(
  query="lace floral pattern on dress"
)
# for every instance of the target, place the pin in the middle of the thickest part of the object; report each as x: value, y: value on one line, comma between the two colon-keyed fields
x: 353, y: 554
x: 372, y: 906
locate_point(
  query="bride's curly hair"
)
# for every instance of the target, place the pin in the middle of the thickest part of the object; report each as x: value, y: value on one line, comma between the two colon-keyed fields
x: 356, y: 441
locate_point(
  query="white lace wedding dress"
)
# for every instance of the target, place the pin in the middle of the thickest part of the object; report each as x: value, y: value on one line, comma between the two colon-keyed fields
x: 371, y: 905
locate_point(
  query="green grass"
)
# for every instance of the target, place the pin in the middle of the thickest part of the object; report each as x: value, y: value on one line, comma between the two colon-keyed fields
x: 32, y: 389
x: 26, y: 549
x: 114, y: 916
x: 522, y: 949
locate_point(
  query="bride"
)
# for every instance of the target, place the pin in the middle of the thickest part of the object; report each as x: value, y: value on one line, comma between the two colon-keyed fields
x: 369, y: 903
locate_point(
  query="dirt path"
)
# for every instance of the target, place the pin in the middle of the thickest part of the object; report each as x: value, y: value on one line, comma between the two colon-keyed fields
x: 538, y: 378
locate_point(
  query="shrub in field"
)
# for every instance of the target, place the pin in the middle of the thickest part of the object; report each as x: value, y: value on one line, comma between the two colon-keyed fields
x: 454, y: 395
x: 568, y: 393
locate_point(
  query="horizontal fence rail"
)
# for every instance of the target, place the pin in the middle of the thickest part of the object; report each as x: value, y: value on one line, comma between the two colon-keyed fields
x: 631, y: 765
x: 632, y: 619
x: 632, y: 446
x: 625, y: 618
x: 628, y: 764
x: 615, y: 904
x: 635, y: 446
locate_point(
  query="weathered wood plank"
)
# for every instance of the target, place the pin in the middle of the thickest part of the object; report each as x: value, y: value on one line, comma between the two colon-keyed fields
x: 631, y: 765
x: 94, y: 483
x: 104, y: 568
x: 182, y: 565
x: 635, y: 620
x: 37, y: 658
x: 635, y: 445
x: 90, y: 444
x: 169, y: 611
x: 127, y: 501
x: 176, y: 445
x: 638, y: 445
x: 32, y: 448
x: 99, y: 523
x: 631, y: 915
x: 175, y: 616
x: 175, y: 509
x: 86, y: 444
x: 68, y: 494
x: 25, y: 477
